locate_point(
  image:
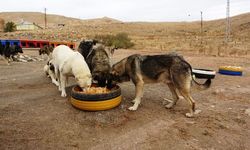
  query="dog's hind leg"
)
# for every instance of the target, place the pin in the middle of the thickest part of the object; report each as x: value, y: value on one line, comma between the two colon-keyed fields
x: 181, y: 78
x: 174, y: 94
x: 186, y: 94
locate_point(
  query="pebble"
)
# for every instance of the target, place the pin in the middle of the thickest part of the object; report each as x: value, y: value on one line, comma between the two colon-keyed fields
x: 197, y: 111
x: 247, y: 111
x: 218, y: 91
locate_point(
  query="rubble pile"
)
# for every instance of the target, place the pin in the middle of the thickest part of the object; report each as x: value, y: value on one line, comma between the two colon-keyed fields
x: 26, y: 58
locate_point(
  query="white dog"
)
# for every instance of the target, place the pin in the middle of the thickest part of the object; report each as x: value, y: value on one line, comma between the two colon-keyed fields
x: 67, y: 63
x: 49, y: 70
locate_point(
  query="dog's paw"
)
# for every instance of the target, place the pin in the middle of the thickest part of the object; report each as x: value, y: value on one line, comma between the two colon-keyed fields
x: 63, y: 94
x: 189, y: 115
x: 133, y: 101
x: 132, y: 108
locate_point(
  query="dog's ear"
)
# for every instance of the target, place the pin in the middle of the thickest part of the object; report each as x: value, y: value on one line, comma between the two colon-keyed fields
x: 82, y: 41
x: 113, y: 49
x: 95, y: 42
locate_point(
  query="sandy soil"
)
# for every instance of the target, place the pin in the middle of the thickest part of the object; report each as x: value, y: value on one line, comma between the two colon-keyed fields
x: 34, y: 116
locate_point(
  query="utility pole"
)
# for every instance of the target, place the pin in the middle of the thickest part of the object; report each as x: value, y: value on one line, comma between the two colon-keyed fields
x: 45, y: 18
x: 227, y: 37
x: 201, y: 27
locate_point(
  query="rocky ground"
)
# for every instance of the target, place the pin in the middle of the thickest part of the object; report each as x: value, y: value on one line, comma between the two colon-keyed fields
x: 34, y: 116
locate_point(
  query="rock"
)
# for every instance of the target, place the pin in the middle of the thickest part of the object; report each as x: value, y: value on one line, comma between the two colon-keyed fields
x: 21, y: 56
x: 247, y: 111
x: 190, y: 122
x: 26, y: 58
x: 22, y: 60
x: 218, y: 91
x: 197, y: 111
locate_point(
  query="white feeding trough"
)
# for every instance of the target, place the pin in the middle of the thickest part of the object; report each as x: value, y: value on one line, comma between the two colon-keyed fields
x: 204, y: 73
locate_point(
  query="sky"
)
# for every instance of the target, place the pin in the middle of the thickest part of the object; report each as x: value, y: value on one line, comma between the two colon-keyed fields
x: 131, y: 10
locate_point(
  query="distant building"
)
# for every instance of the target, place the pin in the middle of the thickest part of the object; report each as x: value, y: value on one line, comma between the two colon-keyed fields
x: 1, y: 25
x: 24, y: 25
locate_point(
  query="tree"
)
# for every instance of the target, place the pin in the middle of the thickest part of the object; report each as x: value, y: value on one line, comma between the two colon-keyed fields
x: 120, y: 40
x: 10, y: 27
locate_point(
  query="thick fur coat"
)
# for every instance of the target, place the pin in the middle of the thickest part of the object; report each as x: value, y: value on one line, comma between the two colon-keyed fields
x: 70, y: 63
x: 98, y: 59
x: 170, y: 69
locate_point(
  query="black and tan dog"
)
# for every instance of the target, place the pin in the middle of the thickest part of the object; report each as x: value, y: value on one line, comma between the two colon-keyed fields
x: 98, y: 59
x: 170, y: 69
x: 46, y: 49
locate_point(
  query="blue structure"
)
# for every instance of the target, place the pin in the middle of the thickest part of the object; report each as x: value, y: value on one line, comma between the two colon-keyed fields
x: 11, y: 42
x: 232, y: 73
x: 34, y: 43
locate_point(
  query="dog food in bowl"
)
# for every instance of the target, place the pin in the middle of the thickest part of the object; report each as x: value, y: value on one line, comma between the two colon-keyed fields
x: 96, y: 90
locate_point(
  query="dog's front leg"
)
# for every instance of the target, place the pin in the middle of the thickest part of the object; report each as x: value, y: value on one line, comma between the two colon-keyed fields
x: 54, y: 80
x: 174, y: 94
x: 53, y: 77
x: 138, y: 95
x: 7, y: 61
x: 63, y: 84
x: 67, y: 80
x: 57, y: 74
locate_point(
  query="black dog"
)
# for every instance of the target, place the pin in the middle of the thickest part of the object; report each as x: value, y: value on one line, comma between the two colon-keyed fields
x: 98, y: 60
x: 9, y: 51
x: 86, y: 46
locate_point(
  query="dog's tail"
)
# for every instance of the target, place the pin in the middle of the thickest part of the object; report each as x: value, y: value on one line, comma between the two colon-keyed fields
x: 200, y: 86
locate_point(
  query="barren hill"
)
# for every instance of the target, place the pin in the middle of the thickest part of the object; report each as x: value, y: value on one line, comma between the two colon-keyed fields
x: 52, y: 20
x: 167, y: 36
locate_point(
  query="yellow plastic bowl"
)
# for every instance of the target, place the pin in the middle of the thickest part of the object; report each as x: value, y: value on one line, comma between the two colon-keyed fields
x: 96, y: 105
x: 97, y: 101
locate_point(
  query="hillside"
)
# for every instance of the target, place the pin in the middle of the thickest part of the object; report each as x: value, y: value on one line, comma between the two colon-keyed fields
x: 167, y: 36
x: 52, y: 20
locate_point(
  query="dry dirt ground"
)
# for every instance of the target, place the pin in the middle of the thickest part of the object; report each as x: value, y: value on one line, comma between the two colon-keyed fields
x: 34, y: 116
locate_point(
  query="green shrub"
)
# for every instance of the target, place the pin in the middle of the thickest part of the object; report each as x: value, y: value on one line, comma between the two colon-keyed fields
x: 10, y: 27
x: 120, y: 40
